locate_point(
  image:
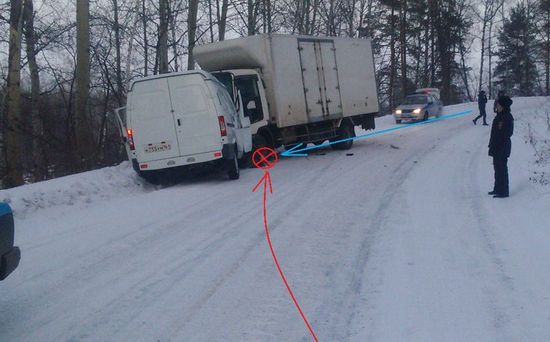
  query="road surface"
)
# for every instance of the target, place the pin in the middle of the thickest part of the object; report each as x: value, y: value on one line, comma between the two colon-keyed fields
x: 398, y: 241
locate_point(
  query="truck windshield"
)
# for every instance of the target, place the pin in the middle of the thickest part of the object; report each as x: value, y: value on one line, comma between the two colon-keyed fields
x: 226, y: 79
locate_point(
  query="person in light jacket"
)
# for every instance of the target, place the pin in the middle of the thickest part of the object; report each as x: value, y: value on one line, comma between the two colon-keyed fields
x: 500, y: 146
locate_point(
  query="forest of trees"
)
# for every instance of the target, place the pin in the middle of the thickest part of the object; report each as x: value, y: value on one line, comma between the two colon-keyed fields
x: 65, y: 65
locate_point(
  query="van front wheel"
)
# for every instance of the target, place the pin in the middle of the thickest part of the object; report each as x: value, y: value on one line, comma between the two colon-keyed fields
x: 233, y: 168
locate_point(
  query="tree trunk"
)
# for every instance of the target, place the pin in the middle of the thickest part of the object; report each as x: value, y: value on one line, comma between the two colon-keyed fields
x: 192, y: 30
x: 174, y: 39
x: 403, y: 43
x: 547, y: 65
x: 116, y: 30
x: 210, y: 21
x: 39, y: 168
x: 483, y: 30
x: 13, y: 136
x: 392, y: 59
x: 490, y: 59
x: 145, y: 41
x: 222, y: 20
x: 84, y: 143
x: 251, y: 18
x: 163, y: 37
x: 268, y: 16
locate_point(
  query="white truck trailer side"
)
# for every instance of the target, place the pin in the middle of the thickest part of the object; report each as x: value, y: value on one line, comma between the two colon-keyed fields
x: 298, y: 88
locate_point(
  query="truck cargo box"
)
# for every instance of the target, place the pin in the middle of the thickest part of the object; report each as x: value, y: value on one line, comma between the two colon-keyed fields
x: 307, y: 79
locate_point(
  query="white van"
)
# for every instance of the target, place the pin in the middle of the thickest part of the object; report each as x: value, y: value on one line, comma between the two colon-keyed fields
x: 180, y: 119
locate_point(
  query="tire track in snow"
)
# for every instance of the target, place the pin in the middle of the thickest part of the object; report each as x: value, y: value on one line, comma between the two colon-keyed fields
x: 500, y: 307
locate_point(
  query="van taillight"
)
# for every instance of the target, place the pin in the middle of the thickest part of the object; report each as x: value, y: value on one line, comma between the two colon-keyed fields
x: 130, y: 138
x: 223, y: 129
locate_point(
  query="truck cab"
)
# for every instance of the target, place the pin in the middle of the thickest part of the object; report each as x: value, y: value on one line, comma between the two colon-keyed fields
x: 247, y: 82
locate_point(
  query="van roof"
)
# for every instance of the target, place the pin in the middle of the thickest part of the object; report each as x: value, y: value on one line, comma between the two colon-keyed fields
x: 205, y: 74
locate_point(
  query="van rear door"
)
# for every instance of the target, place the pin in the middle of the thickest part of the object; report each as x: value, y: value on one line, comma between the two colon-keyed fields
x: 196, y: 118
x: 152, y: 121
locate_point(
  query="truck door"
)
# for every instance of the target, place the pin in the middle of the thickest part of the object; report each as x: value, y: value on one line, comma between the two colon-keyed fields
x: 320, y: 79
x: 197, y: 124
x: 251, y: 98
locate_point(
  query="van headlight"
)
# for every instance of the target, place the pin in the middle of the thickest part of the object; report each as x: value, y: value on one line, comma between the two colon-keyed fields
x: 398, y: 111
x: 417, y: 110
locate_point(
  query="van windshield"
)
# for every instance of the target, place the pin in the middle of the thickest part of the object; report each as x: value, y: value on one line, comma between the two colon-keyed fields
x: 226, y: 79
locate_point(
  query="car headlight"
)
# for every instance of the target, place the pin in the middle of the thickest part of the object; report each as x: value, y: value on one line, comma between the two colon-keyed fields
x: 417, y: 110
x: 398, y: 111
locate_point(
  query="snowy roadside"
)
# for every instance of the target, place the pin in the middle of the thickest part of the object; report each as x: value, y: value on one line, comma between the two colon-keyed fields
x: 75, y: 190
x: 534, y: 125
x: 85, y: 188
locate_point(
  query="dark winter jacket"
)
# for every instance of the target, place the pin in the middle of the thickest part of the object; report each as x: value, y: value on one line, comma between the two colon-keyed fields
x: 500, y: 144
x: 481, y: 100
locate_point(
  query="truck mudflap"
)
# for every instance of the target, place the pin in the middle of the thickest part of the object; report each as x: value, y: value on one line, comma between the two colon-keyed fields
x: 9, y: 262
x: 365, y: 120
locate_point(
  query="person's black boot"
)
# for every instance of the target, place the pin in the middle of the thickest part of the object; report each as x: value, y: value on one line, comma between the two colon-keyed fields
x: 475, y: 122
x: 500, y: 196
x: 485, y: 124
x: 492, y: 192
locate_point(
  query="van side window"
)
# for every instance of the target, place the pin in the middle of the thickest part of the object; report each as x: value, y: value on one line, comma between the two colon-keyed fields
x: 250, y: 94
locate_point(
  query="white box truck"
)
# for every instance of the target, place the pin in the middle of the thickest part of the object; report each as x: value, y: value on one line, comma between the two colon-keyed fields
x: 298, y: 89
x: 182, y: 119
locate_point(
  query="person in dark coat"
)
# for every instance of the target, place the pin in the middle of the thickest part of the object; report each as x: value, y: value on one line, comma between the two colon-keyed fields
x: 499, y: 94
x: 481, y: 102
x: 500, y: 145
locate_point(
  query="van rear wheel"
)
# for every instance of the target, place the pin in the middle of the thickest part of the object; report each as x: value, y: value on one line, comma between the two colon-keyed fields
x: 233, y: 168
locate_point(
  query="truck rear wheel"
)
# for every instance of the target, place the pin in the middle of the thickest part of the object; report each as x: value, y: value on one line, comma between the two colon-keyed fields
x: 346, y: 132
x: 258, y: 141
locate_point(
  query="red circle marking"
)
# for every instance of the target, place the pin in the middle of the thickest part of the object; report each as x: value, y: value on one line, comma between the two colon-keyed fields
x: 265, y: 158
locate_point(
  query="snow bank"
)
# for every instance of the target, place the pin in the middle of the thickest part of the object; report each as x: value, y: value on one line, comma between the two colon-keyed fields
x: 75, y: 190
x: 532, y: 123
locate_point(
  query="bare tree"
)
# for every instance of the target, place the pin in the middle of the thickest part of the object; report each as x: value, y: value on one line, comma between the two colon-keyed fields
x: 491, y: 8
x: 192, y: 30
x: 82, y: 131
x: 13, y: 136
x: 222, y: 18
x: 162, y: 51
x: 39, y: 167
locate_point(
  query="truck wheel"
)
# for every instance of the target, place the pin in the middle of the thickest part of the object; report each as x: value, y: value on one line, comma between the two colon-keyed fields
x: 346, y: 131
x: 233, y: 168
x: 258, y: 141
x: 245, y: 162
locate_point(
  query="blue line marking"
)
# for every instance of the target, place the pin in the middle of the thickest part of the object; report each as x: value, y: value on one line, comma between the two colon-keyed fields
x: 295, y: 151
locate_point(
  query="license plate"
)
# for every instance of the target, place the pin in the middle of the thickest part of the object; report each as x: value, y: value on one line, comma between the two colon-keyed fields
x: 158, y: 148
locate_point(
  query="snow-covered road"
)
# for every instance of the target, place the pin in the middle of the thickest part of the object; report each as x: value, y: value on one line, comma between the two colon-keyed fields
x: 398, y: 241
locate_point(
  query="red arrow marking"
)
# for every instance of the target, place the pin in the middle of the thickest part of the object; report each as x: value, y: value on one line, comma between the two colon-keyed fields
x: 265, y: 158
x: 267, y: 179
